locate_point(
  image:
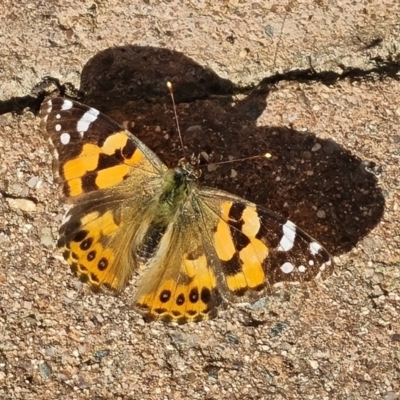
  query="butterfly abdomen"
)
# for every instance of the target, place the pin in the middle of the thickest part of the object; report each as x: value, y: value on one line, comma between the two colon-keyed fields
x: 152, y: 238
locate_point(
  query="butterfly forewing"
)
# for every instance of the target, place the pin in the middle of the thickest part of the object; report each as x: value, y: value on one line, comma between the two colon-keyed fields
x: 91, y: 151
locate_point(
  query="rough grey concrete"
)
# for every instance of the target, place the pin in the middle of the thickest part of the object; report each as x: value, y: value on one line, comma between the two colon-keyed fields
x: 316, y: 84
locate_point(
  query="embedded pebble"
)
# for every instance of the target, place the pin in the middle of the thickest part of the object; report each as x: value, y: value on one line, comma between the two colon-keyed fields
x: 22, y: 204
x: 321, y: 214
x: 316, y: 147
x: 46, y: 238
x: 34, y: 182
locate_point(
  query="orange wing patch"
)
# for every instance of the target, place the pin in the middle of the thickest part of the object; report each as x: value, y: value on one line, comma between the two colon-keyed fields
x: 101, y: 167
x: 190, y: 297
x: 87, y: 254
x: 240, y: 252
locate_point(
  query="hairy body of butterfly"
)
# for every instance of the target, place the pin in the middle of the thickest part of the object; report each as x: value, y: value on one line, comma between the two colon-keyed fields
x: 192, y: 247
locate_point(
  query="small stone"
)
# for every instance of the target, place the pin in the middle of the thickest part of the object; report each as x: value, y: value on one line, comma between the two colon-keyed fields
x: 260, y: 304
x: 27, y: 305
x: 22, y: 204
x: 62, y: 377
x: 194, y: 128
x: 178, y: 338
x: 243, y: 53
x: 321, y: 214
x: 316, y: 147
x: 49, y: 352
x: 27, y: 227
x: 314, y: 364
x: 232, y: 338
x: 34, y: 182
x: 99, y: 318
x: 369, y: 272
x: 99, y: 355
x: 45, y: 370
x: 269, y: 31
x: 46, y: 238
x: 278, y: 328
x: 212, y: 373
x: 377, y: 291
x: 191, y: 377
x: 193, y: 340
x: 205, y: 156
x: 391, y: 396
x: 16, y: 187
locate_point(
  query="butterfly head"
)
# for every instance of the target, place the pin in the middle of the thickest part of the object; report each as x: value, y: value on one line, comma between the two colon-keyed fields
x: 189, y: 168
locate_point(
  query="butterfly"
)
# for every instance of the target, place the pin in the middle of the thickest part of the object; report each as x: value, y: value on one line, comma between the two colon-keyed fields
x: 191, y: 248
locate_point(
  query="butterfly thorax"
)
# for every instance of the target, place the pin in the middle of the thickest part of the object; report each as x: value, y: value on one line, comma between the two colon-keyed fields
x: 171, y: 204
x: 178, y: 184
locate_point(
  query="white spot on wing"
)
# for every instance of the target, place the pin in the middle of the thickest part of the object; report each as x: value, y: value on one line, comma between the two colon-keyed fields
x: 289, y: 235
x: 66, y: 218
x: 287, y: 267
x: 86, y: 120
x: 67, y: 104
x: 65, y: 138
x: 315, y: 248
x: 302, y: 268
x: 57, y: 127
x: 50, y: 106
x: 58, y: 116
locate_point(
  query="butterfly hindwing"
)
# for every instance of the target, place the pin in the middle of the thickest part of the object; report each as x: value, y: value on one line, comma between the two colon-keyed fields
x: 257, y: 250
x: 91, y: 240
x: 180, y: 284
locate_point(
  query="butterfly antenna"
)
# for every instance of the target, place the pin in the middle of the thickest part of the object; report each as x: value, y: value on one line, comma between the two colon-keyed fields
x: 266, y: 155
x: 171, y: 92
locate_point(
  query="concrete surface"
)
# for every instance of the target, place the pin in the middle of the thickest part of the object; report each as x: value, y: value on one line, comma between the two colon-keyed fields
x: 314, y: 83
